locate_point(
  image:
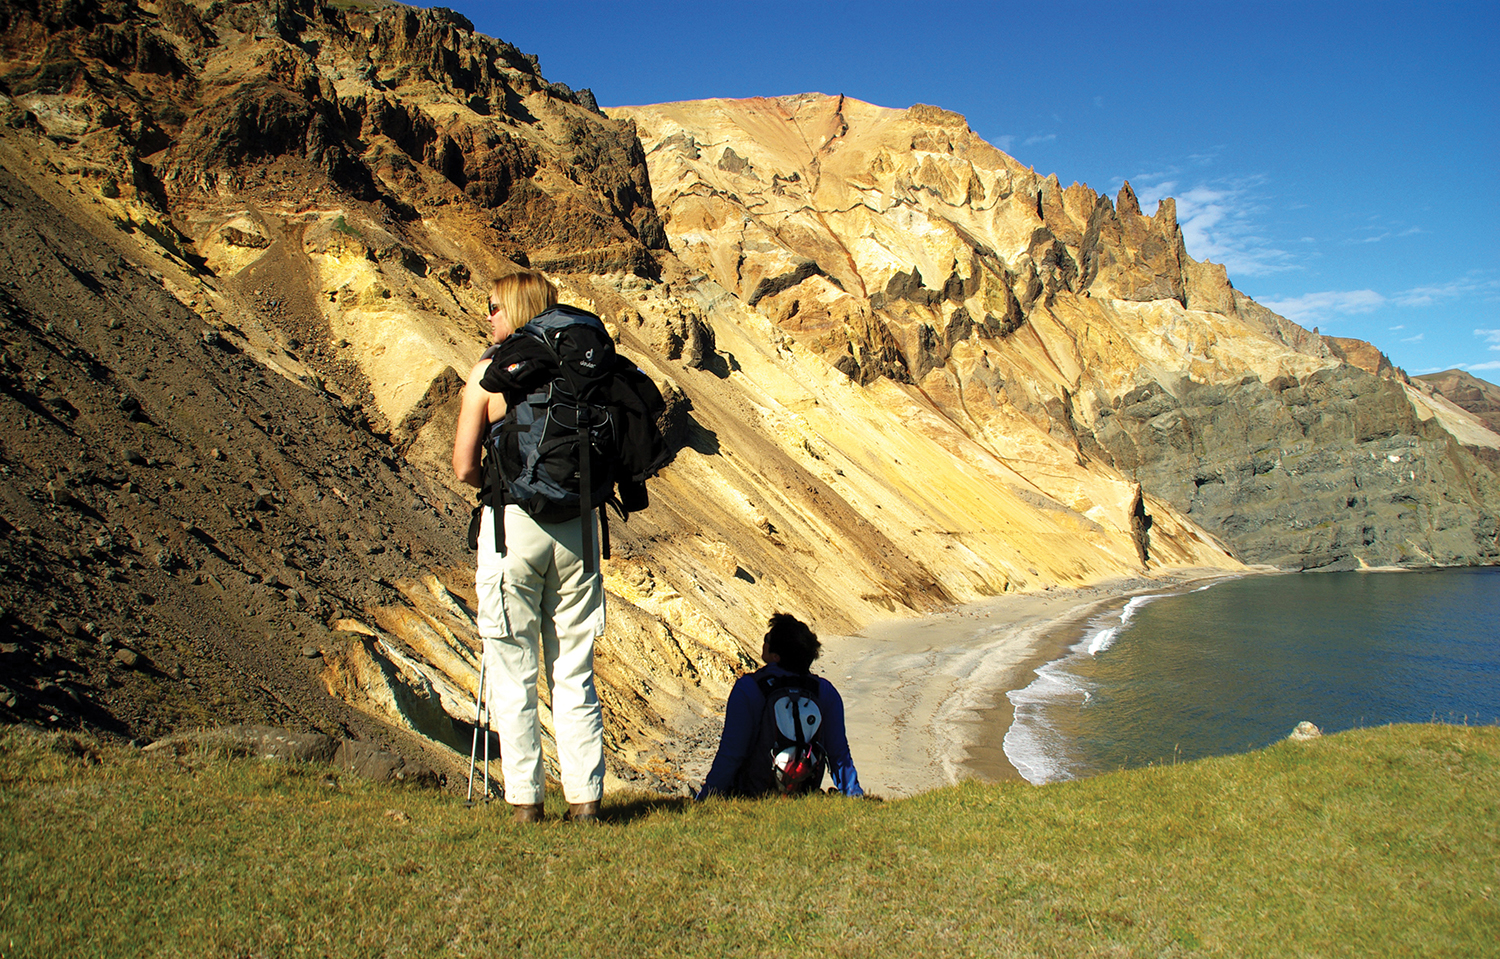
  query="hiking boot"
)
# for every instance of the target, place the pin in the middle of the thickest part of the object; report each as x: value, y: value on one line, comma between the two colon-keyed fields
x: 527, y: 812
x: 583, y: 811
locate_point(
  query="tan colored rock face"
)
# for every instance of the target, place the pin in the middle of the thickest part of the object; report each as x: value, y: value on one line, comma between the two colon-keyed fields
x: 857, y: 501
x: 898, y: 243
x: 1071, y: 338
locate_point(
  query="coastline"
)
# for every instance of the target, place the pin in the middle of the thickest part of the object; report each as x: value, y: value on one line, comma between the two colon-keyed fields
x: 925, y: 699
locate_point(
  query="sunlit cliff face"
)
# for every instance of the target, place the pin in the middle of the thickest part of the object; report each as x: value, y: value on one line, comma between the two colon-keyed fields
x: 1070, y: 336
x: 903, y: 371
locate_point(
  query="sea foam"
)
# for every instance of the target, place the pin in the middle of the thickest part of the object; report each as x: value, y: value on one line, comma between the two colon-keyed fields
x: 1107, y: 626
x: 1039, y: 750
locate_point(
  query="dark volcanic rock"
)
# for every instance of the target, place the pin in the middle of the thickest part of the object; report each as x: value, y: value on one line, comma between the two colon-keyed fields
x: 564, y: 182
x: 1333, y: 472
x: 145, y: 536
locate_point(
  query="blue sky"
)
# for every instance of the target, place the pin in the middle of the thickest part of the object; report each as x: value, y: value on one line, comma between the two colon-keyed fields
x: 1339, y: 158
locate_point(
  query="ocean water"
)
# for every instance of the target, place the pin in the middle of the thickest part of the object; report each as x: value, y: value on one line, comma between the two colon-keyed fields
x: 1235, y: 666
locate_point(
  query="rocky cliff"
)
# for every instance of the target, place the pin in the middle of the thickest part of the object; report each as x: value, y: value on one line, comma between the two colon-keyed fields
x: 1066, y: 332
x: 1467, y: 392
x: 247, y: 246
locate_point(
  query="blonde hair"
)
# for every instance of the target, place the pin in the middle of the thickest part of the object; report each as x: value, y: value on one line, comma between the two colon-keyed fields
x: 523, y: 295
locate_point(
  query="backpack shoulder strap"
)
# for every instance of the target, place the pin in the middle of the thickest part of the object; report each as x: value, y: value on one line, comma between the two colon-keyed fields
x: 769, y: 683
x: 806, y: 682
x: 492, y: 493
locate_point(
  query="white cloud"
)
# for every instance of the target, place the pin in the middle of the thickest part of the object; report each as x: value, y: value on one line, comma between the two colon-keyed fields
x: 1005, y: 143
x: 1312, y: 308
x: 1329, y: 305
x: 1033, y: 141
x: 1386, y: 231
x: 1471, y: 367
x: 1164, y: 184
x: 1471, y: 285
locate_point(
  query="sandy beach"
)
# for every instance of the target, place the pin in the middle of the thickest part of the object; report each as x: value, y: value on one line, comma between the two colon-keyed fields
x: 925, y: 698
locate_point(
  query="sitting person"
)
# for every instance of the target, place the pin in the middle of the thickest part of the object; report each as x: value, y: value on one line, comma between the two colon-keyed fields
x: 782, y: 725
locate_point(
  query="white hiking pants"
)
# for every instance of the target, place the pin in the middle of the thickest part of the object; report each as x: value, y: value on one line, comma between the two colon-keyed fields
x: 537, y: 595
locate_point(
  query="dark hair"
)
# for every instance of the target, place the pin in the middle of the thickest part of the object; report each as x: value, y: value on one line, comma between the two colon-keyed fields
x: 790, y: 639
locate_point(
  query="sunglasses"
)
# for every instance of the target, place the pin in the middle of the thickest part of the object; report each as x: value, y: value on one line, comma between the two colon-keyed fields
x: 494, y: 307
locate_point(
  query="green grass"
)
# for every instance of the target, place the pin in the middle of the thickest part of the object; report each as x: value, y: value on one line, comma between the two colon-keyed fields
x: 1377, y: 842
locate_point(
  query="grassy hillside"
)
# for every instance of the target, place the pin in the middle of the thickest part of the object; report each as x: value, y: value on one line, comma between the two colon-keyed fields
x: 1373, y: 842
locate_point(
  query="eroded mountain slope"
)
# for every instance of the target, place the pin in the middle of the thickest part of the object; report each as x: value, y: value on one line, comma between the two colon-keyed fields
x: 1070, y: 335
x: 247, y: 246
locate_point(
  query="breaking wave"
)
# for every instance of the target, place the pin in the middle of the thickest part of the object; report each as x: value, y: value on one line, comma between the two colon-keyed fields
x: 1040, y: 740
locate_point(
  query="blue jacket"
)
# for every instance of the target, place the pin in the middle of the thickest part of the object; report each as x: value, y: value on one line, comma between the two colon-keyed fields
x: 742, y: 716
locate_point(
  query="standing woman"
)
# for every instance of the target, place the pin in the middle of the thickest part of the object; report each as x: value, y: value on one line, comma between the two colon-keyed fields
x: 536, y: 593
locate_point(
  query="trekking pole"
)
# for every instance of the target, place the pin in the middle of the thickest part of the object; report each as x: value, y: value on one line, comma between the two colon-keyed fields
x: 474, y: 743
x: 487, y: 707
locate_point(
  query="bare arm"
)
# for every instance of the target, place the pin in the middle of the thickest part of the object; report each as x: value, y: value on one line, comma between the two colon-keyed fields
x: 477, y: 411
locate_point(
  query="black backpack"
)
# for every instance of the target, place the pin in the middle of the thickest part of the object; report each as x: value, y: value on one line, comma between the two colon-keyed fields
x: 787, y: 755
x: 581, y: 423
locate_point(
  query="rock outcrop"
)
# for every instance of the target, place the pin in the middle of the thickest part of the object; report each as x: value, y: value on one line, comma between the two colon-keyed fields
x: 1065, y: 331
x: 1466, y: 391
